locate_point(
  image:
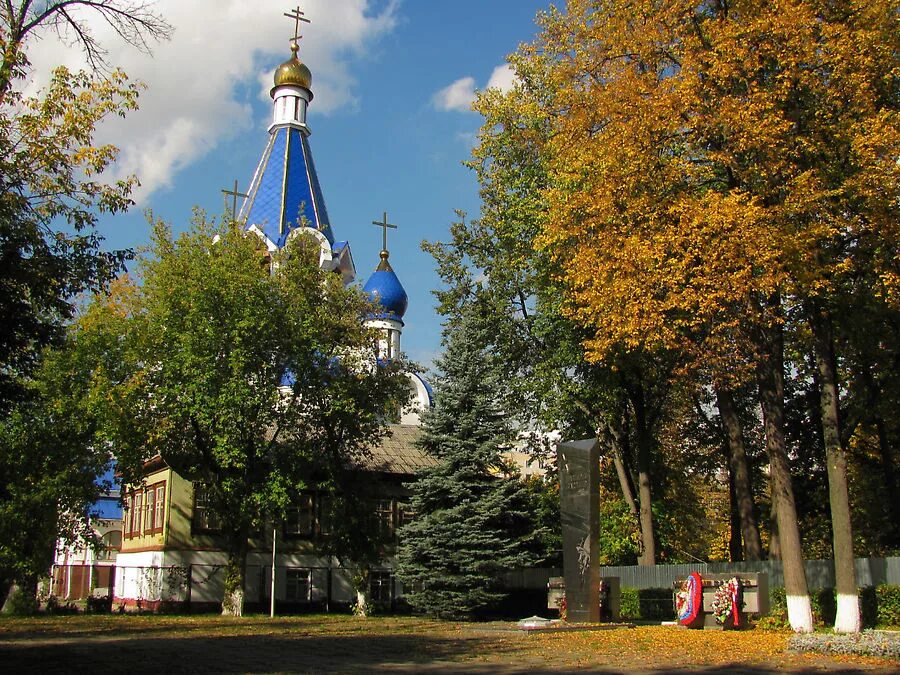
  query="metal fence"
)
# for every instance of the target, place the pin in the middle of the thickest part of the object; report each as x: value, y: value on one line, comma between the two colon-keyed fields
x: 819, y: 573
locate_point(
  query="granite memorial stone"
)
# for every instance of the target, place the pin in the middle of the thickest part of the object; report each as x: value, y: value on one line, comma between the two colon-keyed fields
x: 579, y: 501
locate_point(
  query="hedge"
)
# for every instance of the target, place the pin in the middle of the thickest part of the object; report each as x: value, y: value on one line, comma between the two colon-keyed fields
x: 879, y: 607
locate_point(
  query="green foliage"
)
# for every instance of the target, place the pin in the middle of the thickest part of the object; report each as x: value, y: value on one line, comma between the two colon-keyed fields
x: 51, y: 195
x: 473, y: 513
x: 544, y: 494
x: 21, y: 601
x: 250, y: 379
x: 629, y: 607
x: 879, y: 605
x: 619, y: 538
x: 646, y: 604
x: 50, y: 199
x: 49, y: 464
x: 887, y: 601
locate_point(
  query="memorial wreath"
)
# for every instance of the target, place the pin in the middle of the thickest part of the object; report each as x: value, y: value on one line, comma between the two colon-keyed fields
x: 727, y: 601
x: 689, y: 600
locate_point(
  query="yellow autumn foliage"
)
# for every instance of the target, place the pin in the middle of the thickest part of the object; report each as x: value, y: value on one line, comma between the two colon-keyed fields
x: 705, y: 155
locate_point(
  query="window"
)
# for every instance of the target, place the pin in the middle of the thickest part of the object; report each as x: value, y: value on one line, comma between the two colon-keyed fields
x: 299, y: 585
x: 389, y: 337
x: 160, y: 505
x: 405, y: 514
x: 381, y: 587
x: 126, y: 515
x: 137, y: 514
x: 111, y: 543
x: 326, y: 515
x: 204, y: 517
x: 300, y: 518
x: 149, y: 502
x: 384, y: 518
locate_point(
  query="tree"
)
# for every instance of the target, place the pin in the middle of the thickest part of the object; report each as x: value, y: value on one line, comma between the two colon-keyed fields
x: 50, y: 197
x: 249, y: 380
x: 472, y: 512
x: 49, y: 467
x: 49, y: 193
x: 712, y: 165
x: 134, y: 22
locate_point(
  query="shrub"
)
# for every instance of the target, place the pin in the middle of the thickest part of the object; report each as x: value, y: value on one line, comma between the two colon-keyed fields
x: 629, y: 607
x: 99, y: 605
x: 887, y: 602
x: 646, y: 604
x: 879, y: 606
x: 19, y: 602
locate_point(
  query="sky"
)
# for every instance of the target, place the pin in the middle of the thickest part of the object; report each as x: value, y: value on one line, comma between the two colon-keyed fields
x: 393, y: 81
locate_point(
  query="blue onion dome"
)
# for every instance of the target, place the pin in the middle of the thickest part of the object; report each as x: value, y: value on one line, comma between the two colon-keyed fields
x: 384, y: 288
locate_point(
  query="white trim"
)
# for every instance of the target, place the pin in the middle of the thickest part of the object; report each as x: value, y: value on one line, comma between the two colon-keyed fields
x: 325, y: 256
x: 270, y: 245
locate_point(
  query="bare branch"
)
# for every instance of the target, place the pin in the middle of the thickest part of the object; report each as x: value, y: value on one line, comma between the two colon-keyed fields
x: 134, y: 22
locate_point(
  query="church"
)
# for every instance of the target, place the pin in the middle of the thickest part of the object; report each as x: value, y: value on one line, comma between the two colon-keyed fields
x: 171, y: 554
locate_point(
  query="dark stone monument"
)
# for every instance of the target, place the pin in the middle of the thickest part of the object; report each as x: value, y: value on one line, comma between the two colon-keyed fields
x: 579, y: 502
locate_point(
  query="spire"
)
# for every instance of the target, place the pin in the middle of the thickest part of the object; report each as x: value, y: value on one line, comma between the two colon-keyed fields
x: 284, y: 193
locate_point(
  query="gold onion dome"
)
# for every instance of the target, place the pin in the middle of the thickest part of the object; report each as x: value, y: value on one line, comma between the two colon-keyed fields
x: 293, y: 71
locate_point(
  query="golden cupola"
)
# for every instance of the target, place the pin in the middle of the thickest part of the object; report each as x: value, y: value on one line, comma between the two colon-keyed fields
x: 293, y: 72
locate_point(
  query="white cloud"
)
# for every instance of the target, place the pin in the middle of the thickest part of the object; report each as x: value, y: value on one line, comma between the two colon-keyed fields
x: 457, y: 96
x: 198, y: 81
x: 503, y: 78
x: 460, y: 95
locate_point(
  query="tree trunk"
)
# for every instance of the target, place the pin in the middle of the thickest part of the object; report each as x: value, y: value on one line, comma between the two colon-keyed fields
x: 644, y: 448
x: 740, y: 473
x: 235, y: 572
x: 363, y: 607
x: 735, y: 549
x: 770, y: 372
x: 847, y: 619
x: 774, y: 541
x: 611, y: 439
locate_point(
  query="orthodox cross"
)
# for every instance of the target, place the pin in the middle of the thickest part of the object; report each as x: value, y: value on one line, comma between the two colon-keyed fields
x: 234, y: 194
x: 297, y: 16
x: 384, y: 225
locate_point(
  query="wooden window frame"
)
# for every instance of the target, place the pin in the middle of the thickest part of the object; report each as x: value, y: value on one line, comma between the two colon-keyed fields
x: 305, y: 510
x: 209, y: 522
x: 291, y: 581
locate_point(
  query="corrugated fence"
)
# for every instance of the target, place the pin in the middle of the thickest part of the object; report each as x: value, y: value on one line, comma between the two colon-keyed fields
x: 819, y: 573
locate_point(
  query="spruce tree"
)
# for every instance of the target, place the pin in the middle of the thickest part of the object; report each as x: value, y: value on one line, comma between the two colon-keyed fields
x: 472, y: 512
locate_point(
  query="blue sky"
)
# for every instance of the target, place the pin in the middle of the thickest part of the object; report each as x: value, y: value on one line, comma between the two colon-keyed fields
x: 392, y: 81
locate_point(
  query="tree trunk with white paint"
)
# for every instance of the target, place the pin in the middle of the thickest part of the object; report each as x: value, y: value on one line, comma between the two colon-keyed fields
x: 770, y: 371
x: 847, y: 619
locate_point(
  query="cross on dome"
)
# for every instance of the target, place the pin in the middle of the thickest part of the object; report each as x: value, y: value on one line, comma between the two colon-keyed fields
x: 384, y: 225
x: 297, y: 16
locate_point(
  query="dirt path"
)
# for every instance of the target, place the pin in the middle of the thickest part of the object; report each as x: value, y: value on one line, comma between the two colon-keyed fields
x: 345, y: 644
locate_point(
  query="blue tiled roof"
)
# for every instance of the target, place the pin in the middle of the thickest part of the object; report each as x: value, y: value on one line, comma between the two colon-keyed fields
x: 285, y: 181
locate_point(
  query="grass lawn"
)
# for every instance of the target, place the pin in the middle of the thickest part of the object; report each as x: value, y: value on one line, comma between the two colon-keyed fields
x: 338, y: 643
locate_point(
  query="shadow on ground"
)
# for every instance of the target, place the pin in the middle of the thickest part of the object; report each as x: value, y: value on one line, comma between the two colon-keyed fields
x: 303, y: 653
